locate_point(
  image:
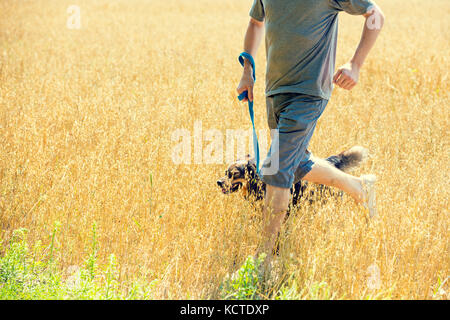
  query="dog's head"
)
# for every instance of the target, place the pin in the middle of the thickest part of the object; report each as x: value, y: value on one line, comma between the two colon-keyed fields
x: 239, y: 175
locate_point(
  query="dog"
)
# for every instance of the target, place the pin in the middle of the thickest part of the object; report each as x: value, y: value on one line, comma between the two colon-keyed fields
x: 241, y: 176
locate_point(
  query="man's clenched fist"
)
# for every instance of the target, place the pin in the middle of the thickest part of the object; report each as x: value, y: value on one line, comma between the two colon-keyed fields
x: 347, y: 76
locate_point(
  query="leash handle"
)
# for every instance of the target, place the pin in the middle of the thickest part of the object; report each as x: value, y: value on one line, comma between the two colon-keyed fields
x: 251, y: 112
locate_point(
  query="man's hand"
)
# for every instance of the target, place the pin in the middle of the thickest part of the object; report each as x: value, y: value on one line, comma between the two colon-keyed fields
x: 347, y: 76
x: 247, y: 82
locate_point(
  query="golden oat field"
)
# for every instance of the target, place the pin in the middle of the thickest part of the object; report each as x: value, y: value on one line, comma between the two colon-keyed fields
x: 86, y: 123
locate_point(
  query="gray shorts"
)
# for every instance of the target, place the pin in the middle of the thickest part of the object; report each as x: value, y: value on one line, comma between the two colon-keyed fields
x: 294, y: 116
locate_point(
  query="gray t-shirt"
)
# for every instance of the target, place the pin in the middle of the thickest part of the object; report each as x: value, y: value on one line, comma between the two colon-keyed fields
x: 301, y: 38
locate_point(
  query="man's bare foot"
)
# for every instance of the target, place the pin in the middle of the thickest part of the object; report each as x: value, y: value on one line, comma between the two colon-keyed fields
x: 368, y: 185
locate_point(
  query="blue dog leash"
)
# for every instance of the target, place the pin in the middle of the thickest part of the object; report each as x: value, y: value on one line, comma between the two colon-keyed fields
x: 244, y: 95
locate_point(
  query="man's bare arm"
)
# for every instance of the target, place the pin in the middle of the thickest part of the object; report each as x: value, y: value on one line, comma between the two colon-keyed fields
x: 347, y: 76
x: 252, y: 41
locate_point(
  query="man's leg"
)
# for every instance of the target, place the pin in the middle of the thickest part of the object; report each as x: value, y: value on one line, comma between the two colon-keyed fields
x: 323, y: 172
x: 294, y: 116
x: 320, y: 171
x: 276, y: 204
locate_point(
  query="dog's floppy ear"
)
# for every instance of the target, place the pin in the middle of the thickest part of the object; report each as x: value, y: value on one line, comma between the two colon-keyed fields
x: 251, y: 166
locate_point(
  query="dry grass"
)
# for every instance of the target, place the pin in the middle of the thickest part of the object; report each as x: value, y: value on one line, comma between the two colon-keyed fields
x: 86, y: 118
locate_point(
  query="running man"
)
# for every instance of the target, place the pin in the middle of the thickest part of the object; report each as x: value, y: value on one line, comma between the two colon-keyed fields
x: 301, y: 37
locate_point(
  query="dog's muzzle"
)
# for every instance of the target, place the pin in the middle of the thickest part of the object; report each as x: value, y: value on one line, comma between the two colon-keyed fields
x: 221, y: 183
x: 226, y: 188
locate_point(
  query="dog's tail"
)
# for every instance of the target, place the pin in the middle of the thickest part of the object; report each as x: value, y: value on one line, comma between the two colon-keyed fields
x: 350, y: 158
